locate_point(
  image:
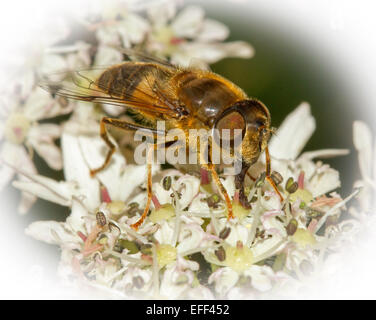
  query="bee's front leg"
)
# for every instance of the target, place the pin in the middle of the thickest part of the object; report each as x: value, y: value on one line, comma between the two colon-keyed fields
x: 239, y: 185
x: 268, y: 176
x: 222, y: 189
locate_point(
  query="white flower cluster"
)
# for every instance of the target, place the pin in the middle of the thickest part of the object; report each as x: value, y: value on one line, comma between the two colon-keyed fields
x: 162, y: 31
x: 187, y: 248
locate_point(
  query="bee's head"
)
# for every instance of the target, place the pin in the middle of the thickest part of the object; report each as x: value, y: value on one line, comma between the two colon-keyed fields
x: 252, y: 119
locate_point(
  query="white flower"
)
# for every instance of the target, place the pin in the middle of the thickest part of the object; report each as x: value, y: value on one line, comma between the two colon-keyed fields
x: 82, y: 153
x: 69, y: 57
x: 22, y: 130
x: 107, y: 56
x: 254, y: 236
x: 177, y: 279
x: 286, y: 145
x: 293, y: 134
x: 188, y: 35
x: 268, y: 247
x: 32, y: 56
x: 225, y: 279
x: 362, y: 137
x: 61, y: 233
x: 115, y: 23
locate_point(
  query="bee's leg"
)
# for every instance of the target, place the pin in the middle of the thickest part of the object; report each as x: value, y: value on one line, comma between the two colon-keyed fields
x: 250, y: 176
x: 106, y: 139
x: 150, y: 151
x: 268, y: 177
x: 121, y: 124
x: 140, y: 221
x: 215, y: 176
x: 239, y: 185
x: 208, y: 165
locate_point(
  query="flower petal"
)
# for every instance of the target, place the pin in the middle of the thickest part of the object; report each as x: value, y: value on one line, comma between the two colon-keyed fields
x: 261, y: 277
x: 76, y: 169
x: 212, y: 30
x: 16, y: 157
x: 52, y: 232
x: 189, y: 187
x: 108, y: 35
x: 293, y: 133
x: 211, y: 52
x: 6, y: 172
x: 324, y: 182
x: 76, y: 218
x: 160, y: 13
x: 52, y: 63
x: 191, y: 236
x: 165, y: 233
x: 107, y: 56
x: 119, y: 179
x: 41, y: 137
x: 81, y: 58
x: 188, y: 22
x: 324, y: 153
x: 47, y: 189
x: 224, y: 279
x: 132, y: 30
x: 362, y: 137
x: 40, y: 105
x: 26, y: 202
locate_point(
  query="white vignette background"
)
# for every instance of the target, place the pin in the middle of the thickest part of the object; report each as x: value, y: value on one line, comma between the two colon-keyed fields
x: 343, y: 28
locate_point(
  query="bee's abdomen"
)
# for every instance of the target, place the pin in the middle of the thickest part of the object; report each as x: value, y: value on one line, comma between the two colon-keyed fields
x: 122, y: 80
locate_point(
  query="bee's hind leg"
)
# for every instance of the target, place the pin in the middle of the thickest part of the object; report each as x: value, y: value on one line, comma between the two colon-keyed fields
x: 106, y: 139
x: 140, y: 221
x: 121, y: 124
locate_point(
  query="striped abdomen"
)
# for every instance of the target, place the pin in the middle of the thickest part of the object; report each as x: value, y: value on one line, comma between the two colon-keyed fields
x: 130, y: 78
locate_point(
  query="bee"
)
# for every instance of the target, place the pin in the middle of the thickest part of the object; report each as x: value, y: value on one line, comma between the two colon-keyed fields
x: 184, y: 98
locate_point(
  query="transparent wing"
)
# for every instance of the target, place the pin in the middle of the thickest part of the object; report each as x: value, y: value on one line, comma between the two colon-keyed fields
x: 135, y: 55
x: 126, y: 85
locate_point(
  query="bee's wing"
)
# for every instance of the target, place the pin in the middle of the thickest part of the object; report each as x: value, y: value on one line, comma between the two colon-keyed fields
x: 127, y: 85
x: 135, y: 55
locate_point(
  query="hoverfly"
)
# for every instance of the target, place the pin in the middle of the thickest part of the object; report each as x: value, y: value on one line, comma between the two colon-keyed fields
x: 182, y: 97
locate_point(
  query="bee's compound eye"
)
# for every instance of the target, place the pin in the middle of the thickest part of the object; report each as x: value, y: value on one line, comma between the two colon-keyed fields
x: 259, y: 124
x: 230, y: 126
